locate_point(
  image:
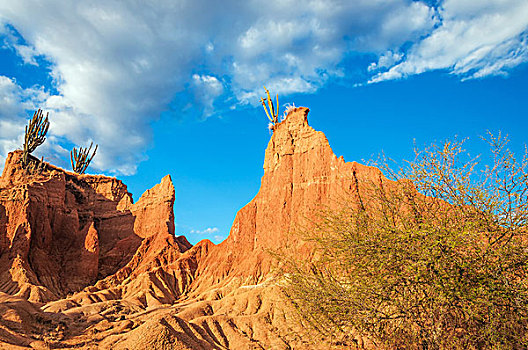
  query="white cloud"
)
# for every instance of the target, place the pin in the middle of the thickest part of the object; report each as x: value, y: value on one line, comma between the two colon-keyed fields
x: 206, y: 89
x: 475, y: 39
x: 385, y: 60
x: 14, y: 101
x: 207, y: 231
x: 10, y: 40
x: 116, y: 65
x: 301, y: 52
x: 212, y: 233
x: 218, y: 238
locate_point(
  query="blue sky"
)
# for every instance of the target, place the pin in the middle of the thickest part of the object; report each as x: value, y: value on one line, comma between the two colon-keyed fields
x: 172, y: 87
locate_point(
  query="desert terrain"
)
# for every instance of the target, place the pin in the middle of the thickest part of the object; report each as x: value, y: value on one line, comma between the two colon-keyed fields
x: 83, y: 266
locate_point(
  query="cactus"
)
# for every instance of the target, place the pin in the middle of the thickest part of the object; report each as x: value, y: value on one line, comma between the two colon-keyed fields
x: 35, y: 136
x: 273, y: 115
x: 80, y: 159
x: 36, y: 167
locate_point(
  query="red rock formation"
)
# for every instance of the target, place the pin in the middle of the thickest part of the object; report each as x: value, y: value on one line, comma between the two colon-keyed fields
x: 153, y: 211
x: 301, y: 176
x: 61, y: 232
x: 145, y: 288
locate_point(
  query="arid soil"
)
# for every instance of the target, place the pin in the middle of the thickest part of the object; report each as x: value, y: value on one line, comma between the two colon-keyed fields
x: 82, y: 266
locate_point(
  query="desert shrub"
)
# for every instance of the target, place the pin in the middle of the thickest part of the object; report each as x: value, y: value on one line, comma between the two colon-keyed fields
x: 435, y: 260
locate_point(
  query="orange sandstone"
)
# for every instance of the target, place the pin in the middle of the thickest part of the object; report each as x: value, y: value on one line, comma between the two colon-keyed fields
x: 83, y: 266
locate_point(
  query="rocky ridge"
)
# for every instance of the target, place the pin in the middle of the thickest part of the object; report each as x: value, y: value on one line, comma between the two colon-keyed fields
x: 83, y: 266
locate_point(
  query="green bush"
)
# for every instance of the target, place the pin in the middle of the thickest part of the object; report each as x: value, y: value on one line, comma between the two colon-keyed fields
x: 434, y: 260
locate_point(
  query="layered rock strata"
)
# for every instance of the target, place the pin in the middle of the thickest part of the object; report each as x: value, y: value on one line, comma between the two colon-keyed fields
x: 61, y: 232
x: 84, y: 267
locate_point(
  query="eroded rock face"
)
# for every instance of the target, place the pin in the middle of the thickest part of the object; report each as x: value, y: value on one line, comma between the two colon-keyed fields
x: 61, y: 232
x: 153, y: 211
x: 301, y: 176
x: 137, y: 285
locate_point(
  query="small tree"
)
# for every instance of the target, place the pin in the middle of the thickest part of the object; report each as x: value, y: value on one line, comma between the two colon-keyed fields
x: 80, y: 159
x: 35, y: 135
x: 436, y: 260
x: 269, y: 108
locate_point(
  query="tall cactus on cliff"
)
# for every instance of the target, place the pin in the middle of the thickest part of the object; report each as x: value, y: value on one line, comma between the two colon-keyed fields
x: 35, y: 135
x: 269, y: 108
x: 80, y: 159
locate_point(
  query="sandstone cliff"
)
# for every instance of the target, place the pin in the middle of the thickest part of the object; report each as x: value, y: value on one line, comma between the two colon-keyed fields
x: 301, y: 176
x: 61, y: 232
x: 82, y: 266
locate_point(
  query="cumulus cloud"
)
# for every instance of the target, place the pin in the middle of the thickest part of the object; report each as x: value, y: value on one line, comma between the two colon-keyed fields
x: 301, y: 52
x: 117, y: 65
